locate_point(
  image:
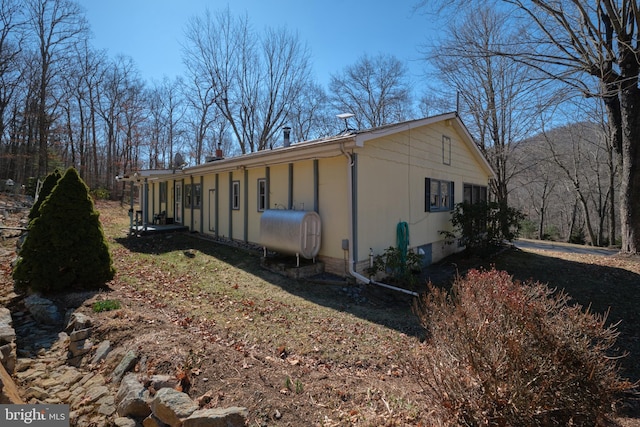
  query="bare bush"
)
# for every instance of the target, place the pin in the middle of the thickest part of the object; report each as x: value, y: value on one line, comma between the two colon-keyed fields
x: 502, y: 352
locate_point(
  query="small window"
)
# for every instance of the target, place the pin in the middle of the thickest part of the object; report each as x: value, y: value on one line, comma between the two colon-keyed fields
x: 475, y: 193
x: 446, y: 150
x: 262, y: 194
x: 235, y: 195
x: 197, y: 196
x: 187, y: 195
x: 438, y: 195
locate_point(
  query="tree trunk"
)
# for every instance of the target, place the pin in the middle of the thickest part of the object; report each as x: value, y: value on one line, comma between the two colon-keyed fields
x: 630, y: 188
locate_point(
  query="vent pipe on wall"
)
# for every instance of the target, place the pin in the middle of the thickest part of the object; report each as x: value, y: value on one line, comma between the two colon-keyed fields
x: 287, y: 136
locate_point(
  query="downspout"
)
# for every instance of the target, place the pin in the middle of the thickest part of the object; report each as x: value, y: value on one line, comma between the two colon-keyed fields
x: 351, y: 261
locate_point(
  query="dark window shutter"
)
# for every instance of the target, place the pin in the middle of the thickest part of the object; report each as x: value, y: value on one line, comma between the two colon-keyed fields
x: 427, y: 194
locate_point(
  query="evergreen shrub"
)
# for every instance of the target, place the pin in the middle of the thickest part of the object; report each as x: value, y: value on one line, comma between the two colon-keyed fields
x: 65, y: 246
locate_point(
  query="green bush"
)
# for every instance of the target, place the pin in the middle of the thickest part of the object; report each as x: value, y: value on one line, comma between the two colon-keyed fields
x: 65, y: 245
x: 101, y: 193
x: 30, y: 189
x: 528, y: 229
x: 484, y: 225
x: 397, y: 267
x: 578, y: 237
x: 505, y: 353
x: 551, y: 233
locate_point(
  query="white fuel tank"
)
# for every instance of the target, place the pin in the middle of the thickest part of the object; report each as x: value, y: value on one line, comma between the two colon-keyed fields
x: 292, y: 232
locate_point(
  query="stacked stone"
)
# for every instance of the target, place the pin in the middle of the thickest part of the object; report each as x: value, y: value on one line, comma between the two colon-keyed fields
x: 169, y: 407
x: 67, y: 370
x: 7, y: 341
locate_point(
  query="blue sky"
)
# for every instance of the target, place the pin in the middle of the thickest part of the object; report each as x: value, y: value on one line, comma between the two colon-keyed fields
x: 337, y: 32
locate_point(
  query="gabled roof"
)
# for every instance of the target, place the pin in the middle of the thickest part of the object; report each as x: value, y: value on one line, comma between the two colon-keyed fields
x: 328, y: 147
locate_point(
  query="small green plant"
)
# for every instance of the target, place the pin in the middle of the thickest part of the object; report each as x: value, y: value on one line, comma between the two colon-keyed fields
x: 101, y: 193
x: 396, y: 266
x: 105, y: 305
x: 296, y: 386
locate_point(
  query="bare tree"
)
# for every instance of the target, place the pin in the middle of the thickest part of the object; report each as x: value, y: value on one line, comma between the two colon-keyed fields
x: 536, y: 189
x: 581, y: 43
x: 119, y: 86
x: 11, y: 22
x: 252, y: 80
x: 498, y: 95
x: 166, y: 112
x: 375, y: 89
x: 55, y: 25
x: 309, y: 117
x: 200, y: 97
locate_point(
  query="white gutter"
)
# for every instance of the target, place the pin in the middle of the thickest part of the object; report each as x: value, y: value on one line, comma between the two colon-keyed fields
x: 351, y: 261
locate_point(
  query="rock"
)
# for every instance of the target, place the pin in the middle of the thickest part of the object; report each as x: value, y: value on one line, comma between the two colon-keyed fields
x: 163, y: 381
x: 217, y: 417
x: 77, y: 322
x: 78, y: 348
x: 107, y: 406
x: 8, y: 357
x: 43, y: 310
x: 153, y: 421
x: 80, y: 334
x: 7, y: 333
x: 132, y: 398
x: 23, y: 364
x: 125, y: 422
x: 95, y: 393
x: 128, y: 361
x: 37, y: 392
x: 70, y: 376
x: 61, y: 343
x: 5, y: 316
x: 101, y: 352
x: 170, y: 405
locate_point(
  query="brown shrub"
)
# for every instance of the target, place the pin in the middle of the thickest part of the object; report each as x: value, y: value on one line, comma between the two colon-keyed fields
x: 507, y: 353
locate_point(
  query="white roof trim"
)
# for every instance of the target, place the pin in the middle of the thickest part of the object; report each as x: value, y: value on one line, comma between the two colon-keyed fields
x: 322, y: 148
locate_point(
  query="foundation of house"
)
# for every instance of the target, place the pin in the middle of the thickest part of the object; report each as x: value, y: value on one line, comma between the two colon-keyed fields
x: 290, y: 266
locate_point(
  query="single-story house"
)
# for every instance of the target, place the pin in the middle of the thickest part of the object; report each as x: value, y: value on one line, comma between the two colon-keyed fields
x: 361, y: 185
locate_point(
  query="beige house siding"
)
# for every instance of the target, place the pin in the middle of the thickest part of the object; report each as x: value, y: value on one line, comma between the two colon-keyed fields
x: 279, y: 186
x: 391, y: 174
x: 390, y: 165
x: 332, y: 196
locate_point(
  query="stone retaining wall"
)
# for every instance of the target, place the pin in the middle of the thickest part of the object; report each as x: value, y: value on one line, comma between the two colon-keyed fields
x: 67, y: 373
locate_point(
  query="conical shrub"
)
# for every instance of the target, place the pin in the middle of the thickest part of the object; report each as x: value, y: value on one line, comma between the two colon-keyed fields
x: 65, y: 247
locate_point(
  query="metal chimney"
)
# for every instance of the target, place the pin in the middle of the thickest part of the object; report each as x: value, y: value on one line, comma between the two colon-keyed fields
x: 287, y: 136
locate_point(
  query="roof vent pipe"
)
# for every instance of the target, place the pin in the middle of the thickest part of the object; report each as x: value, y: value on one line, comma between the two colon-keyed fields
x: 287, y: 136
